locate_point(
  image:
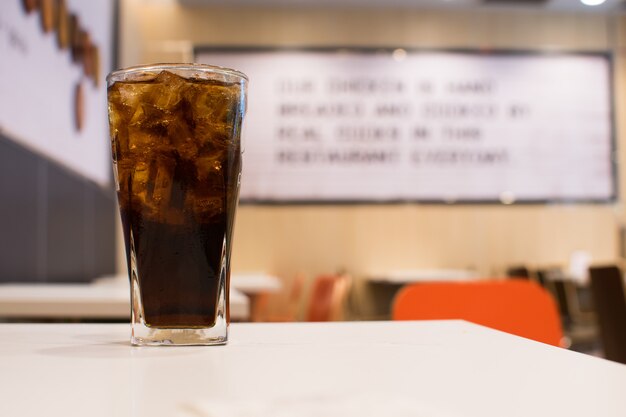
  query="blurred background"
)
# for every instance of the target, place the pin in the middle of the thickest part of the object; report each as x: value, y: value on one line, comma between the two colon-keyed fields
x: 474, y: 141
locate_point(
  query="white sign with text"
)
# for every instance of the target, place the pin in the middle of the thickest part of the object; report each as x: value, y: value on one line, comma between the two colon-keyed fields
x: 424, y: 126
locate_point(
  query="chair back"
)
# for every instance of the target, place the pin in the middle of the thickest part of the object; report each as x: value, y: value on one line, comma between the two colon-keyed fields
x: 607, y: 290
x: 518, y: 272
x: 328, y: 294
x: 295, y: 295
x: 283, y: 306
x: 560, y: 291
x: 520, y: 307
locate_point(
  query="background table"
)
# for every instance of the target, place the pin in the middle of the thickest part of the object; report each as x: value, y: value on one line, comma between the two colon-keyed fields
x: 83, y: 301
x: 254, y: 283
x: 385, y: 285
x: 434, y: 369
x: 410, y: 276
x: 255, y: 286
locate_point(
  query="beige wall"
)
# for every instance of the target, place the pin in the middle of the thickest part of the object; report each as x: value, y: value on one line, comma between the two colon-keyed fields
x: 315, y: 239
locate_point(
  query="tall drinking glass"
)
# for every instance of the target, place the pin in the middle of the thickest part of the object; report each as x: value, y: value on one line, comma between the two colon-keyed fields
x: 175, y: 138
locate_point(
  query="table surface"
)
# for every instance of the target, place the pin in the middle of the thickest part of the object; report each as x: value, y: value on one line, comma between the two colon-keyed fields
x: 429, y: 368
x: 421, y: 275
x: 98, y: 300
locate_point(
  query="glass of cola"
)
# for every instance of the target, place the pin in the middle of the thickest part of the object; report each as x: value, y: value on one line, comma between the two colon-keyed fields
x: 175, y: 139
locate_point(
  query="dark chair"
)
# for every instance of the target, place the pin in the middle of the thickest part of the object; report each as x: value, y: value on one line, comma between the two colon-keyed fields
x: 560, y: 292
x: 522, y: 272
x: 579, y: 322
x: 552, y: 279
x: 542, y: 278
x: 607, y: 290
x: 518, y: 272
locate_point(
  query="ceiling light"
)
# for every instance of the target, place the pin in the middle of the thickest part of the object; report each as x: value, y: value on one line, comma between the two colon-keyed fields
x: 399, y: 54
x: 592, y: 2
x: 507, y: 197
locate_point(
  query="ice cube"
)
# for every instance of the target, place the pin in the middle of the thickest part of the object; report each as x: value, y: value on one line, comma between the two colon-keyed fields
x: 141, y: 141
x: 168, y: 90
x: 208, y: 207
x: 162, y: 178
x: 148, y: 116
x: 208, y: 200
x: 123, y: 170
x: 116, y: 117
x: 212, y: 134
x: 207, y: 196
x: 136, y: 125
x: 214, y: 108
x: 168, y: 193
x: 139, y: 183
x: 119, y: 142
x: 209, y: 170
x: 217, y: 102
x: 126, y: 97
x: 181, y: 137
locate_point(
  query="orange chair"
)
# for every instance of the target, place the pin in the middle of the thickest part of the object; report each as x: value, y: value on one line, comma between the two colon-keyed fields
x: 328, y: 294
x: 519, y: 307
x: 282, y: 306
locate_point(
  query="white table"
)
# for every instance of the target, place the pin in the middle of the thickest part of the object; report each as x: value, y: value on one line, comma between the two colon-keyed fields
x: 108, y: 300
x: 247, y: 282
x: 255, y: 286
x: 434, y: 369
x: 253, y: 283
x: 409, y: 276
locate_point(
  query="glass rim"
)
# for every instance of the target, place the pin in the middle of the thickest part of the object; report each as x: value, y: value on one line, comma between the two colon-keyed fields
x: 206, y: 68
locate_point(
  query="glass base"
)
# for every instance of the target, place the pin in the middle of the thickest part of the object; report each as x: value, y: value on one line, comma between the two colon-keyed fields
x: 150, y: 336
x: 144, y: 335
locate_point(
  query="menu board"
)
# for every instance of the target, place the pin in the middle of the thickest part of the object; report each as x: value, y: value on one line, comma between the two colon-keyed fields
x: 399, y: 125
x: 55, y: 55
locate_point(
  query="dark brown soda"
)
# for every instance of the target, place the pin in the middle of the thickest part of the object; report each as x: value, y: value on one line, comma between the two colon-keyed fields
x: 179, y: 263
x: 177, y: 157
x: 178, y: 268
